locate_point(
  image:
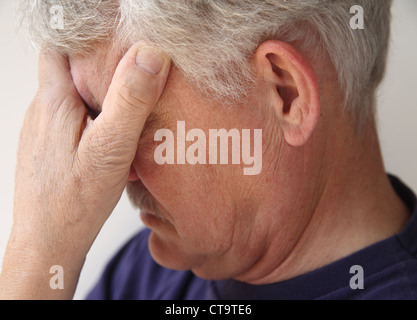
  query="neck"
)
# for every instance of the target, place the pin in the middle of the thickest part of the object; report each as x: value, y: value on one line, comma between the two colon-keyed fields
x: 353, y: 207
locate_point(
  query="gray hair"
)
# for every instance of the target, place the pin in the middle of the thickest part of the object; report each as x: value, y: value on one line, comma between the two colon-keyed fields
x: 212, y: 41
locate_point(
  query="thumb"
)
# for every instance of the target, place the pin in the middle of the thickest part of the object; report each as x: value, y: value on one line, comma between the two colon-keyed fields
x: 136, y: 87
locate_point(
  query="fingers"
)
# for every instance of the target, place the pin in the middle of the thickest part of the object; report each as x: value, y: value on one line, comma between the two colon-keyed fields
x: 136, y: 87
x: 109, y: 143
x: 57, y: 102
x: 54, y: 70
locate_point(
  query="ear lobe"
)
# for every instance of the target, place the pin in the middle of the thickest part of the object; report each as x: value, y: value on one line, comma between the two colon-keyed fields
x: 298, y: 124
x: 295, y: 92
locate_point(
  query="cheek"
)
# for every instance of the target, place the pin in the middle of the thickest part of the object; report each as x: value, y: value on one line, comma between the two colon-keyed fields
x: 203, y: 217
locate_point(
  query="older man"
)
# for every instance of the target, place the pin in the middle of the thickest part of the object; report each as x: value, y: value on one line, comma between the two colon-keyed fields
x: 320, y: 219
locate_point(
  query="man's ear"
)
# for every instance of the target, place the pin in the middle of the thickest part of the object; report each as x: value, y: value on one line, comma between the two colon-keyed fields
x: 292, y: 89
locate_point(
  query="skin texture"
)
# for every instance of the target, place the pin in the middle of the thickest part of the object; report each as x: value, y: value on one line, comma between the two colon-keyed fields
x: 322, y: 182
x: 222, y: 224
x: 71, y: 171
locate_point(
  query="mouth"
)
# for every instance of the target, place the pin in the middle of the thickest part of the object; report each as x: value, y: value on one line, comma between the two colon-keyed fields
x: 151, y: 220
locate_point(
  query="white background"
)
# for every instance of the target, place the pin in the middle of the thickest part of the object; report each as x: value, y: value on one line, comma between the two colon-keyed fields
x: 397, y: 114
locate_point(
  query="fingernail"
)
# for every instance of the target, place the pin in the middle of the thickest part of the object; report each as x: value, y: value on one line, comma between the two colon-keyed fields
x: 149, y: 61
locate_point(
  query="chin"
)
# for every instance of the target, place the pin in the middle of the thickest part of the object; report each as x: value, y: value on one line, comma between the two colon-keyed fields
x: 212, y: 273
x: 168, y: 255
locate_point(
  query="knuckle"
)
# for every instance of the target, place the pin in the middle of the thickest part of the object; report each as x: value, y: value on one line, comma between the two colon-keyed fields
x: 102, y: 153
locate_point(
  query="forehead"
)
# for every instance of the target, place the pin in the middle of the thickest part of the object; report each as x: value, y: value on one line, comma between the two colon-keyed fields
x: 92, y: 76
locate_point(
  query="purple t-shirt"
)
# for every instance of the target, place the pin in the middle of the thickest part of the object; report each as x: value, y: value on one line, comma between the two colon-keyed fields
x: 386, y: 270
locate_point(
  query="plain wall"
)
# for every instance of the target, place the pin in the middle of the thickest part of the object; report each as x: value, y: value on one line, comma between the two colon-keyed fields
x: 397, y: 115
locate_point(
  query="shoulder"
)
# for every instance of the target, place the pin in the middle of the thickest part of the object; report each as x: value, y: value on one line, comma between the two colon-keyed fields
x: 133, y: 275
